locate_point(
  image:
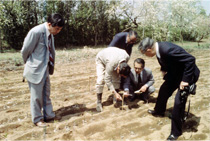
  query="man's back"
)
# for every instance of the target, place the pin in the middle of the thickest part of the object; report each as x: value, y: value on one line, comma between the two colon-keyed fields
x: 112, y: 55
x: 119, y: 41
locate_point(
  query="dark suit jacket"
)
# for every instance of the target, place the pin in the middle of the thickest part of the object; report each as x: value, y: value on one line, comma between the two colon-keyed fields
x: 120, y: 42
x: 179, y: 65
x: 131, y: 81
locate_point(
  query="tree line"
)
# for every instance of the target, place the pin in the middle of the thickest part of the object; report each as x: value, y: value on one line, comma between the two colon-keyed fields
x: 96, y: 22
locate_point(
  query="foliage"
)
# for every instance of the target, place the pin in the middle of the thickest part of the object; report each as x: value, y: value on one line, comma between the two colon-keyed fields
x: 166, y: 20
x: 96, y: 22
x: 16, y: 17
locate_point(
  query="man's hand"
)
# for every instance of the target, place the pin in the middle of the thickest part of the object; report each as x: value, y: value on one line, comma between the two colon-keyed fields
x: 183, y: 84
x: 118, y: 97
x: 143, y: 88
x: 126, y: 94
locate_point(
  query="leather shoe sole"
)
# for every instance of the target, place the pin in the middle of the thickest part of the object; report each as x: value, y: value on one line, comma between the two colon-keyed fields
x: 154, y: 113
x: 41, y: 124
x: 171, y: 137
x: 55, y: 118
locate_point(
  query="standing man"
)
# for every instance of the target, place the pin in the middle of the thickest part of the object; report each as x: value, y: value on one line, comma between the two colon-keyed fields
x: 140, y: 79
x: 111, y: 63
x: 124, y: 40
x: 179, y: 72
x: 38, y: 53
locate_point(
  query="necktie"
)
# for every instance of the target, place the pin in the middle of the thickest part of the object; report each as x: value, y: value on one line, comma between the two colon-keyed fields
x: 50, y: 51
x: 139, y: 79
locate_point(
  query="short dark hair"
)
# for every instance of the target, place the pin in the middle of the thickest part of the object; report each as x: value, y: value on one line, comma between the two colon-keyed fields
x: 145, y: 44
x: 140, y: 61
x: 132, y: 32
x: 124, y: 69
x: 55, y: 20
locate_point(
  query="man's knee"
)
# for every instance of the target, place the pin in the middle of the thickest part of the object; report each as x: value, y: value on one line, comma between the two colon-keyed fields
x: 151, y: 89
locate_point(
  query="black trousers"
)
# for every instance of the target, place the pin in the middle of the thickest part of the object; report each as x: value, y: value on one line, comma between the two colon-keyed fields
x: 178, y: 114
x: 166, y: 90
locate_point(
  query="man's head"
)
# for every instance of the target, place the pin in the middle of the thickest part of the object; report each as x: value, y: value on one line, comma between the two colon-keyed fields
x: 55, y: 23
x: 123, y: 69
x: 139, y: 65
x: 132, y: 36
x: 146, y: 47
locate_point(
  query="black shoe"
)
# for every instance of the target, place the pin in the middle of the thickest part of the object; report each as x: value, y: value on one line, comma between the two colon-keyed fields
x: 171, y: 137
x: 154, y: 113
x: 145, y: 99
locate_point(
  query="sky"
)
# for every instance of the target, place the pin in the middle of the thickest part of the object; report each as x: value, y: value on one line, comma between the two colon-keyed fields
x: 206, y: 5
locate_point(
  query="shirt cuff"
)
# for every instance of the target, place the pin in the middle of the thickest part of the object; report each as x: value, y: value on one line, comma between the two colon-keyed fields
x: 126, y: 89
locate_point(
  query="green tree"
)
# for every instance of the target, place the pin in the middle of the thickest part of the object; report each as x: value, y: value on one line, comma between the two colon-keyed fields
x: 15, y: 20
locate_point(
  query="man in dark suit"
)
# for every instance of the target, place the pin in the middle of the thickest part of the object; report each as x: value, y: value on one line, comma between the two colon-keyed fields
x: 140, y: 79
x: 124, y: 40
x: 38, y: 53
x: 179, y: 72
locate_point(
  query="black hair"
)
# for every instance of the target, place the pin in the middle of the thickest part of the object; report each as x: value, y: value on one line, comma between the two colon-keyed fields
x: 55, y: 20
x: 140, y: 61
x: 124, y: 69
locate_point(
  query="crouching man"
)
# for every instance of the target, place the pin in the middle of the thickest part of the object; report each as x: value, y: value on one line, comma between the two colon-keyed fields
x: 111, y: 64
x: 140, y: 79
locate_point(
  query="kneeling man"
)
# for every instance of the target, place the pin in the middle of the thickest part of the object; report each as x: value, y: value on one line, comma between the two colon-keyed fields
x: 140, y: 80
x: 111, y: 64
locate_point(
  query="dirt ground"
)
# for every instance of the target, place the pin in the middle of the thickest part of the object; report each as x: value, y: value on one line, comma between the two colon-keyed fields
x: 73, y: 97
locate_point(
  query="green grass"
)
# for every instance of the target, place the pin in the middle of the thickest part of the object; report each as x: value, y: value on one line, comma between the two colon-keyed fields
x: 204, y: 44
x: 13, y: 59
x: 10, y: 56
x: 77, y: 54
x: 64, y: 55
x: 82, y: 53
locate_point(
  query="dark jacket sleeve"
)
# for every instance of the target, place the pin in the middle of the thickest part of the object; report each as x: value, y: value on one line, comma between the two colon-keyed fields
x: 183, y: 59
x: 119, y: 41
x: 126, y: 83
x: 114, y: 42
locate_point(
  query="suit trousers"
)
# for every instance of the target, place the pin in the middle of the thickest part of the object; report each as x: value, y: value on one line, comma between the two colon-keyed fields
x: 41, y: 106
x: 178, y: 114
x: 166, y: 90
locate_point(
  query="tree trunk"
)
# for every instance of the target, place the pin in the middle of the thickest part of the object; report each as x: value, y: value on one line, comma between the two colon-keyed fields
x: 1, y: 50
x: 96, y: 39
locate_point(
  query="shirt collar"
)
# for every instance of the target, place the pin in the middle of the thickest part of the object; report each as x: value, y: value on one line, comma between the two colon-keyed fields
x: 126, y: 38
x: 157, y: 50
x: 47, y: 31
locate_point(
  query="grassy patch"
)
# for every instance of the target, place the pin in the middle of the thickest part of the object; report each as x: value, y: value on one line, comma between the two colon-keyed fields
x: 72, y: 55
x: 204, y: 44
x: 82, y: 53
